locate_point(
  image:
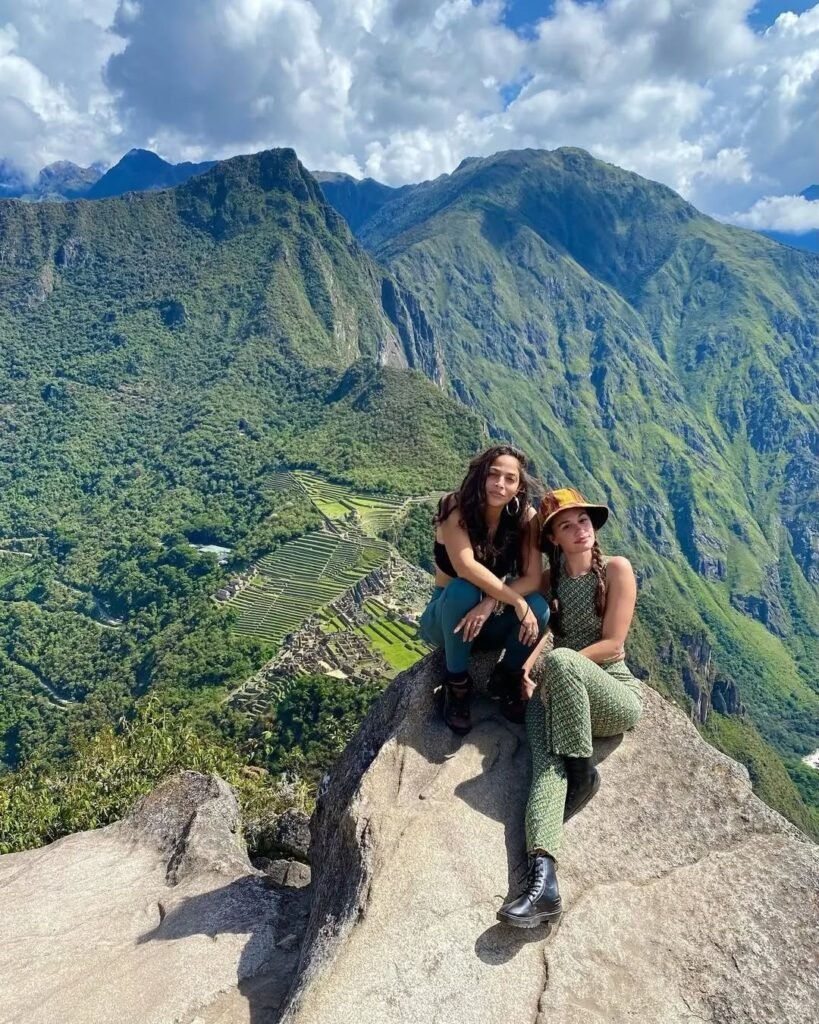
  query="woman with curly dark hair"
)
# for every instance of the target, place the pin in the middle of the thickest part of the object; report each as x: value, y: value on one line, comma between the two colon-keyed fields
x: 585, y: 690
x: 485, y: 532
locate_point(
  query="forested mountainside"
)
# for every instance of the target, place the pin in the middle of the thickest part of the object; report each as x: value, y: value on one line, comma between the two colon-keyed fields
x: 162, y: 355
x: 666, y: 363
x: 165, y: 355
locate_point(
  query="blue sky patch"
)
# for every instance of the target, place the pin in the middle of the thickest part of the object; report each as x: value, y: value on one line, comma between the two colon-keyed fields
x: 522, y: 15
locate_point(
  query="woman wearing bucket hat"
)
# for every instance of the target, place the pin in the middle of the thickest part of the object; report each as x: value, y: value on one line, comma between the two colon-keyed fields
x: 585, y: 691
x: 486, y: 532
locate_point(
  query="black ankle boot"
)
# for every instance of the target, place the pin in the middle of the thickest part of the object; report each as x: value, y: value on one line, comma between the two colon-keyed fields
x: 583, y: 781
x: 506, y: 686
x: 455, y: 705
x: 541, y: 901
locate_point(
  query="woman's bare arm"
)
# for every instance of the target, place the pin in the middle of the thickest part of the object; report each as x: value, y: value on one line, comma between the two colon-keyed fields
x: 620, y: 601
x: 529, y: 580
x: 459, y: 548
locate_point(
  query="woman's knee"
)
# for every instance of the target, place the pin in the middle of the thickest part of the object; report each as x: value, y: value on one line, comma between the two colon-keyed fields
x: 563, y: 659
x: 461, y: 594
x: 562, y: 669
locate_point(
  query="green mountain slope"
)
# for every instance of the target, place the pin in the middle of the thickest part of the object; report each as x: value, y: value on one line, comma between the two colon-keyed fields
x: 660, y: 360
x: 357, y: 200
x: 161, y: 354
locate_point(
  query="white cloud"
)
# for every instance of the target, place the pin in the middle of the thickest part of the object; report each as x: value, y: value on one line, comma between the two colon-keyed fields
x: 53, y: 103
x: 791, y: 214
x: 679, y: 90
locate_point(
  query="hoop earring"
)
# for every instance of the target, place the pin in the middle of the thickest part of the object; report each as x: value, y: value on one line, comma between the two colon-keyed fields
x: 506, y: 507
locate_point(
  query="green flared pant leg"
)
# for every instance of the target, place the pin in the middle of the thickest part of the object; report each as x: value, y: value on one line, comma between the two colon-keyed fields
x: 575, y: 701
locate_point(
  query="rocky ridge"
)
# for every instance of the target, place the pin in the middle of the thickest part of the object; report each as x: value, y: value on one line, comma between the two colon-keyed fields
x: 149, y: 920
x: 687, y: 898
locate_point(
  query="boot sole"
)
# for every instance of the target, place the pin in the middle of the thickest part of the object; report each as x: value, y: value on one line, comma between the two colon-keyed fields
x: 586, y: 798
x: 547, y: 917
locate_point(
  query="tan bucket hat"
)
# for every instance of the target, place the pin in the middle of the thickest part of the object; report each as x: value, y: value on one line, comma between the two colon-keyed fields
x: 567, y: 497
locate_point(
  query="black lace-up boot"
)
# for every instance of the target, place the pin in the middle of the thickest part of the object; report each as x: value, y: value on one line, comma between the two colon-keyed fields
x: 455, y: 704
x: 506, y: 686
x: 583, y: 781
x: 541, y: 900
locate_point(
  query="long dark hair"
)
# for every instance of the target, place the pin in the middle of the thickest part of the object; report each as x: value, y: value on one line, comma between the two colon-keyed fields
x: 553, y: 553
x: 470, y: 500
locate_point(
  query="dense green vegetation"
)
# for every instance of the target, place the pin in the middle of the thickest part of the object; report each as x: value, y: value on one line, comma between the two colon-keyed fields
x: 412, y: 535
x: 274, y: 762
x: 312, y: 725
x: 657, y: 360
x: 163, y: 357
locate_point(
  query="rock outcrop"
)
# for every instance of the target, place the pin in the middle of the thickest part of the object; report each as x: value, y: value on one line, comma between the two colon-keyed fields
x: 158, y: 919
x: 687, y: 898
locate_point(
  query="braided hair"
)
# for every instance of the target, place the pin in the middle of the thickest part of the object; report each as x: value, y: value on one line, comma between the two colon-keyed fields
x: 599, y: 570
x: 553, y: 553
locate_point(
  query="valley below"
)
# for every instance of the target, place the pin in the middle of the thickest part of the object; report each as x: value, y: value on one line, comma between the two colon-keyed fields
x: 225, y: 417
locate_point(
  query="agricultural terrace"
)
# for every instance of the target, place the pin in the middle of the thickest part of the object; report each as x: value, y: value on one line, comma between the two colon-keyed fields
x: 373, y: 512
x: 397, y: 642
x: 281, y: 480
x: 299, y: 578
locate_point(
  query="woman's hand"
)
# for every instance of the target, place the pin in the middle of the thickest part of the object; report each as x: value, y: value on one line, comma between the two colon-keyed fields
x: 529, y: 628
x: 472, y: 623
x: 528, y: 685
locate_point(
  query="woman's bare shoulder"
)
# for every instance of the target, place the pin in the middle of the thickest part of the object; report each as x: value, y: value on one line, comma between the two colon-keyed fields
x: 619, y: 567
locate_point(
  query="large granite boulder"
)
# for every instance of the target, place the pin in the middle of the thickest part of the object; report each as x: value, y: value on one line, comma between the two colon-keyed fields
x: 158, y: 919
x: 687, y: 898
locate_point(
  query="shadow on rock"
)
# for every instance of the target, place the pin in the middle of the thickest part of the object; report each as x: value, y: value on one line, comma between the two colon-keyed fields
x: 498, y: 791
x: 500, y: 943
x: 272, y: 917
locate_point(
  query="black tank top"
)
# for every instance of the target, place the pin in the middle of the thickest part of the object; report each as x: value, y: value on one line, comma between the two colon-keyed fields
x: 503, y: 566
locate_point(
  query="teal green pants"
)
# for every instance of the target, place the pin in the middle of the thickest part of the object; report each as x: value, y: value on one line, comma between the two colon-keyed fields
x: 447, y: 607
x: 575, y: 701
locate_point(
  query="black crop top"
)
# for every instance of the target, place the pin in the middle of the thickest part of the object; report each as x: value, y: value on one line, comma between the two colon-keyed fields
x: 502, y: 567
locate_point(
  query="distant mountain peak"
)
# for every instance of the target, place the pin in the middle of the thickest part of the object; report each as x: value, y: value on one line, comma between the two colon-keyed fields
x: 143, y: 170
x: 335, y: 176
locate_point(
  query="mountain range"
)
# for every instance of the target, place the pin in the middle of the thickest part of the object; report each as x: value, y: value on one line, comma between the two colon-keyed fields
x: 654, y: 357
x: 142, y: 170
x: 139, y: 170
x: 165, y: 352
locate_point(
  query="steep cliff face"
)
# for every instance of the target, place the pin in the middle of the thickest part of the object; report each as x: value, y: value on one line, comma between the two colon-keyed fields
x: 418, y: 344
x: 703, y: 683
x: 686, y: 896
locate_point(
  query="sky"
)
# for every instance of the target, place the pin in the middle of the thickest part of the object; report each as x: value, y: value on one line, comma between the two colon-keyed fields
x: 717, y: 98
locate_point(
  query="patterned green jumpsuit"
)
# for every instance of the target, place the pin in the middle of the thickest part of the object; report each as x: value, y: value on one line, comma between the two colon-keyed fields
x: 575, y: 700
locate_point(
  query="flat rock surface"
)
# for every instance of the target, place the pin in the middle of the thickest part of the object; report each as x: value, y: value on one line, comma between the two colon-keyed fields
x: 159, y: 919
x: 687, y: 898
